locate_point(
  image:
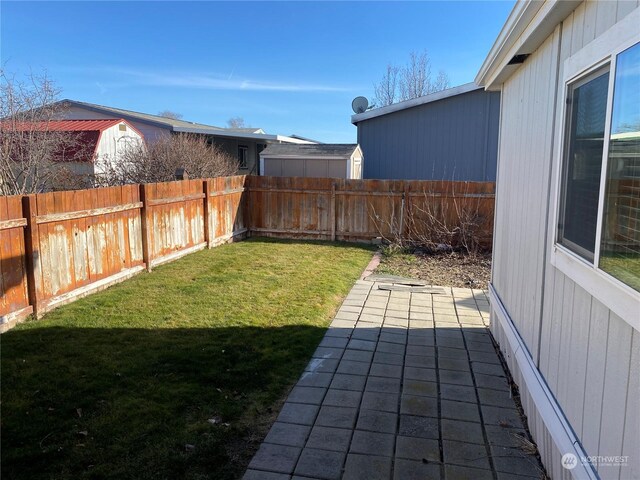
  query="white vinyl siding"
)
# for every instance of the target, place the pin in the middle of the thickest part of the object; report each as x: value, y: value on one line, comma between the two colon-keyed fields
x: 588, y: 355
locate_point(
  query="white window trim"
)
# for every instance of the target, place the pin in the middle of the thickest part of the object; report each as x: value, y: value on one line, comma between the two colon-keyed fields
x: 620, y: 298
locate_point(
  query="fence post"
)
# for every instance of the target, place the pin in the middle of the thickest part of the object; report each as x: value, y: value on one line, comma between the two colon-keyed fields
x: 247, y: 205
x: 144, y: 213
x: 333, y: 211
x: 32, y: 254
x: 206, y: 188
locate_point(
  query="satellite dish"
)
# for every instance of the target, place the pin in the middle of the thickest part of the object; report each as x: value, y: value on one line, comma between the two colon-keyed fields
x: 360, y: 104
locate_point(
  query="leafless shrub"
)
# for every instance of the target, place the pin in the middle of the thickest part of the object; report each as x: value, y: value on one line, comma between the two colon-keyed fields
x: 32, y: 154
x: 68, y: 179
x: 438, y: 220
x: 158, y: 161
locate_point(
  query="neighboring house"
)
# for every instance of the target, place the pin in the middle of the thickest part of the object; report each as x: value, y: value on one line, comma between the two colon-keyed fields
x: 245, y: 144
x: 95, y: 142
x: 320, y: 160
x: 565, y: 281
x: 447, y: 135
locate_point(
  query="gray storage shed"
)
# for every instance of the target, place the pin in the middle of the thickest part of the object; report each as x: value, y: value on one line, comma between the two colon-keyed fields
x: 447, y: 135
x: 329, y: 160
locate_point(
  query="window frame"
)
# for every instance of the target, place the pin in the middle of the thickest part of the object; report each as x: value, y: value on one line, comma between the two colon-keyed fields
x: 570, y: 88
x: 619, y: 297
x: 245, y: 149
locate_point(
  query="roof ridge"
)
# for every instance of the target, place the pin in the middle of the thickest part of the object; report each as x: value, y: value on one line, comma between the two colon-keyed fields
x: 135, y: 112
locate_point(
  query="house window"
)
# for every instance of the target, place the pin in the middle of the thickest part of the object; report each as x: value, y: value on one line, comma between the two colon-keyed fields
x: 586, y: 113
x: 243, y: 157
x: 599, y: 215
x: 620, y: 240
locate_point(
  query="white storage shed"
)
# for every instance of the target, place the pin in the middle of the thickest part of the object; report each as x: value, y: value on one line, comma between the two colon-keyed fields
x: 312, y: 160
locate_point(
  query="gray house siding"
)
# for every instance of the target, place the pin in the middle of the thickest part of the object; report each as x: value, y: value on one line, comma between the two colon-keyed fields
x: 230, y: 146
x: 455, y: 138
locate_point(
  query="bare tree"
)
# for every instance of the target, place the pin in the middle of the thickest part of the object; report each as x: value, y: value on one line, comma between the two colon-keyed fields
x: 236, y: 122
x: 387, y: 90
x: 158, y: 161
x: 413, y: 80
x: 441, y: 82
x: 170, y: 114
x: 34, y: 155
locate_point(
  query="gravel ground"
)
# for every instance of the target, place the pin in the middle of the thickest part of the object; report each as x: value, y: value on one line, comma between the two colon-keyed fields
x: 452, y: 269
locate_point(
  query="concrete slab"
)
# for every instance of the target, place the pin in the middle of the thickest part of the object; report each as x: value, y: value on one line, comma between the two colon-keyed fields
x: 330, y: 438
x: 404, y: 386
x: 320, y: 464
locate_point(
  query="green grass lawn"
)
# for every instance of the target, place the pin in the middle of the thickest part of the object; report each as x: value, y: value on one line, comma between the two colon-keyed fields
x: 121, y: 384
x: 625, y: 268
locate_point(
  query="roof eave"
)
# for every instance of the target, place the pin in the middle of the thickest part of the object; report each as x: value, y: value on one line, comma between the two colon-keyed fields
x: 526, y: 28
x: 218, y: 133
x: 131, y: 118
x: 414, y: 102
x: 312, y: 157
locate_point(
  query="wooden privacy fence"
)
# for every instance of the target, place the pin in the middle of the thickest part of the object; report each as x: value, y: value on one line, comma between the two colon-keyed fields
x: 59, y: 246
x: 361, y: 210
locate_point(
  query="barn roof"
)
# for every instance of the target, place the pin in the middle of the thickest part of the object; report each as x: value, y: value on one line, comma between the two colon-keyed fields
x: 344, y: 150
x: 87, y: 134
x: 65, y: 125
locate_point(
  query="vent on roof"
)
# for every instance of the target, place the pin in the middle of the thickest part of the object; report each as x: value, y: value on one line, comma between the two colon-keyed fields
x: 122, y: 127
x: 518, y: 59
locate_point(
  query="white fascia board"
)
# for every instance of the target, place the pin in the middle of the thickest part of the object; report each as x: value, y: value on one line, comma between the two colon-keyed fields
x: 518, y: 19
x: 286, y: 139
x: 528, y: 26
x: 415, y: 102
x: 218, y: 133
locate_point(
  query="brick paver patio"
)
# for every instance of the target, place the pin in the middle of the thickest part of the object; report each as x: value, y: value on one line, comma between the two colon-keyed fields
x: 405, y: 385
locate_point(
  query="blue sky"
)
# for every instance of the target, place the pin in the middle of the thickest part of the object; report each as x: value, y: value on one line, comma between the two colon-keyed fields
x: 288, y: 67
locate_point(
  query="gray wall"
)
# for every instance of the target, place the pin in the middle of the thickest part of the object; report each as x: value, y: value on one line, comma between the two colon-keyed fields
x: 455, y: 138
x: 230, y: 146
x: 305, y: 167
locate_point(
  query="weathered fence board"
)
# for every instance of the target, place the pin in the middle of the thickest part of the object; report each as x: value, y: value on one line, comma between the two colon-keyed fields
x: 83, y: 240
x: 290, y: 207
x: 14, y: 293
x: 56, y: 247
x: 175, y: 219
x: 226, y: 209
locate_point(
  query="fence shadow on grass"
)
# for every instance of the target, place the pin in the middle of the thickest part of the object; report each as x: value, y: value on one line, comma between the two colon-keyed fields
x: 135, y: 403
